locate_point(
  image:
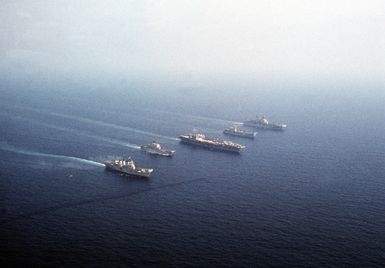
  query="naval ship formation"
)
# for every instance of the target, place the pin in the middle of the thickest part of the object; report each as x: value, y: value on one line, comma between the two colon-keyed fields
x: 127, y: 166
x: 215, y: 144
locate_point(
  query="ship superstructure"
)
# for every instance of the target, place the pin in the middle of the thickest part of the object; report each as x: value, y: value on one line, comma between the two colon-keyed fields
x: 156, y: 148
x: 127, y: 166
x: 240, y: 133
x: 210, y: 143
x: 264, y: 124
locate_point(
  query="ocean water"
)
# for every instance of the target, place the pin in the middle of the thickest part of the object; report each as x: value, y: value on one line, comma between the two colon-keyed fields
x: 311, y: 196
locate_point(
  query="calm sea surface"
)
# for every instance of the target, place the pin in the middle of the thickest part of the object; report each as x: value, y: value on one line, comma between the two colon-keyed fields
x: 311, y: 196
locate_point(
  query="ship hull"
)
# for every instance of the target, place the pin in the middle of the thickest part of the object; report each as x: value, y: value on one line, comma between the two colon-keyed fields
x: 242, y: 135
x: 153, y: 152
x: 117, y: 169
x: 263, y: 127
x: 209, y: 146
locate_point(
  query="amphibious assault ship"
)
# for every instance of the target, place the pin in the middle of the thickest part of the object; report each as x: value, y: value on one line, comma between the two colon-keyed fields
x: 127, y: 167
x: 240, y: 133
x: 156, y: 148
x: 215, y: 144
x: 264, y: 124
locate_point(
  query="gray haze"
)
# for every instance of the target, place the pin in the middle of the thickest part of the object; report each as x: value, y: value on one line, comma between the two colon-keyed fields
x: 254, y: 37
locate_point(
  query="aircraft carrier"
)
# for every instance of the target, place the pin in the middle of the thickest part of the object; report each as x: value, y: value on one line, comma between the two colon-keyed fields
x: 209, y: 143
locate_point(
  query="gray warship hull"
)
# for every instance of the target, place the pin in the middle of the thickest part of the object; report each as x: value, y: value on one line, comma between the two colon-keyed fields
x: 163, y: 152
x: 140, y: 172
x: 243, y: 134
x: 257, y: 125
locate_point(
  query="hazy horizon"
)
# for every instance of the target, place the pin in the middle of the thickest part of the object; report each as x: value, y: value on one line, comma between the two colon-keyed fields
x: 306, y: 39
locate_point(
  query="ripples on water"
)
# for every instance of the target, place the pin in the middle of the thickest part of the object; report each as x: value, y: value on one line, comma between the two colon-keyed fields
x: 310, y: 196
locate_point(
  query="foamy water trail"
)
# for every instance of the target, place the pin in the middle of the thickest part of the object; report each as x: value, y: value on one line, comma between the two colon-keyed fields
x: 180, y: 115
x: 6, y: 147
x: 104, y: 124
x: 105, y: 139
x: 198, y: 117
x: 99, y: 123
x: 211, y: 119
x: 147, y: 133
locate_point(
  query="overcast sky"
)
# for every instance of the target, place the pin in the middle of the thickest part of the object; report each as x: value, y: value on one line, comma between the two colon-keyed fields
x: 262, y: 37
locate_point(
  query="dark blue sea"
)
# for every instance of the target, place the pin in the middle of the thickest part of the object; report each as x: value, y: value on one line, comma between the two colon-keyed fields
x: 310, y: 196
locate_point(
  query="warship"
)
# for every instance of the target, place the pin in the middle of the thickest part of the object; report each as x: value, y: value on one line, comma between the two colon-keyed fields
x: 215, y: 144
x: 264, y: 124
x: 127, y: 167
x: 240, y: 133
x: 156, y: 148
